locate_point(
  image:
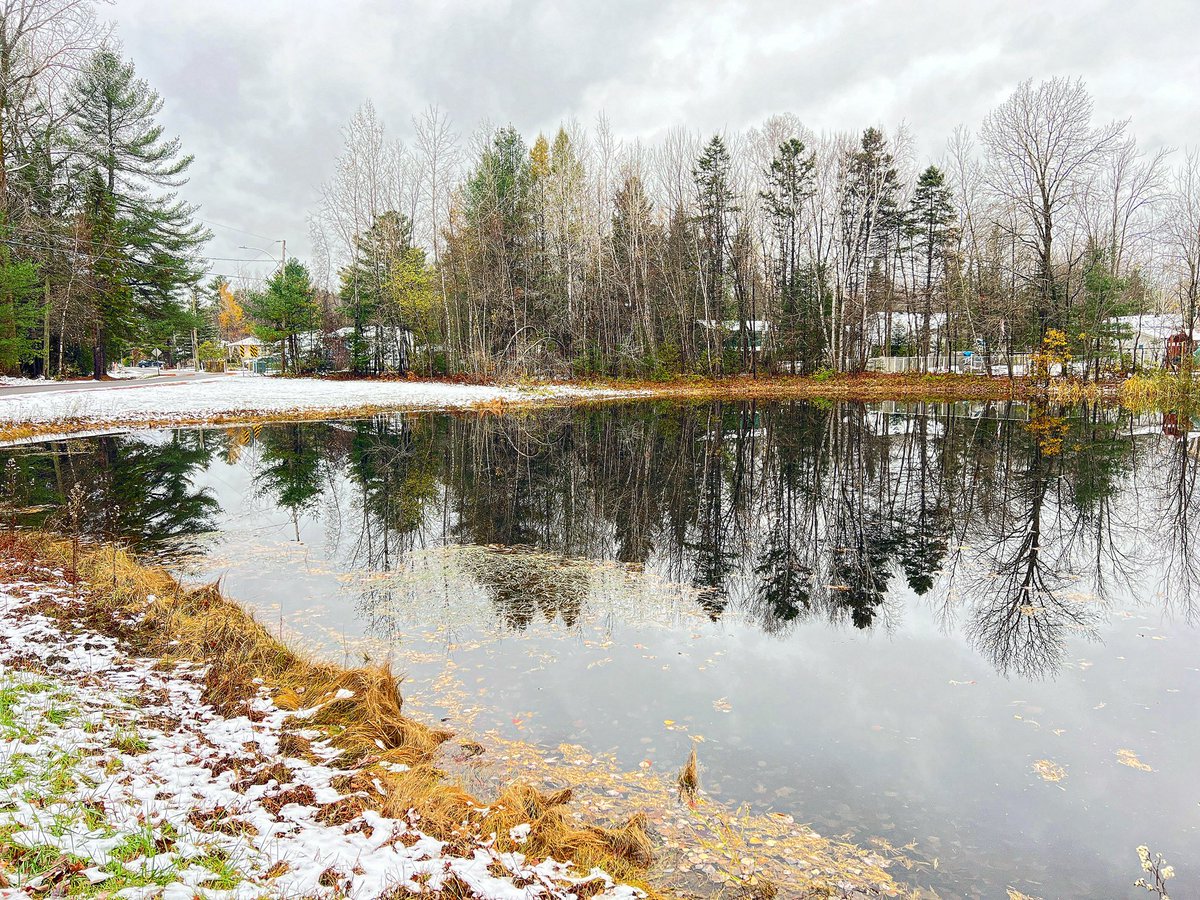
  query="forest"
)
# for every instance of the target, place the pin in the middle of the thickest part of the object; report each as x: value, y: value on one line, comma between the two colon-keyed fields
x: 577, y: 252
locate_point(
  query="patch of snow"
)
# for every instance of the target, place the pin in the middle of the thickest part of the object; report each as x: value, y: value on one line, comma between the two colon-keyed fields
x: 156, y: 788
x: 225, y: 396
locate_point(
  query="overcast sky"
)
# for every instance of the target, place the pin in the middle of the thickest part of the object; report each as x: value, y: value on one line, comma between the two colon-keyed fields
x: 259, y: 90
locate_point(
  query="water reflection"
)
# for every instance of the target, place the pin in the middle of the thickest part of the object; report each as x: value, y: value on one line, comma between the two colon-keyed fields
x: 1017, y: 523
x: 876, y: 618
x: 137, y: 489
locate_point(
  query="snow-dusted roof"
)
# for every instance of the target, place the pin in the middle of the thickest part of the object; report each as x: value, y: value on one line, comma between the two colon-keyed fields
x: 734, y: 325
x: 1154, y: 325
x: 906, y: 323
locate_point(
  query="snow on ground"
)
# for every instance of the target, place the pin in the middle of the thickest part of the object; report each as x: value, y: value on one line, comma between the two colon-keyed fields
x: 10, y: 381
x: 118, y: 780
x: 225, y: 396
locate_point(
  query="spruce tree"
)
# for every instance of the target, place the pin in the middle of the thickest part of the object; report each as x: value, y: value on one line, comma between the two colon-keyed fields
x: 715, y: 208
x: 931, y: 219
x: 119, y: 148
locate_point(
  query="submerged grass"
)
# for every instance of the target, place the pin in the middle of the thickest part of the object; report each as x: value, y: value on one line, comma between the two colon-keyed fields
x: 361, y: 710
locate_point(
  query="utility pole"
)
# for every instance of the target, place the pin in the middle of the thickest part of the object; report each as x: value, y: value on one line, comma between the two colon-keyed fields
x: 195, y: 349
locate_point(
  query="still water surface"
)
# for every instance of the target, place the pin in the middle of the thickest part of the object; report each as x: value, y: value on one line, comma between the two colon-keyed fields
x: 968, y: 628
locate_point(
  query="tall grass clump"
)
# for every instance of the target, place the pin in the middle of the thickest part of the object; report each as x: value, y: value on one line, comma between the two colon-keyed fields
x: 1160, y: 391
x: 360, y: 709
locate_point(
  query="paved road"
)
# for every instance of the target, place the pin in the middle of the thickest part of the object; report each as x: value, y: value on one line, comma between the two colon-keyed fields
x: 117, y: 385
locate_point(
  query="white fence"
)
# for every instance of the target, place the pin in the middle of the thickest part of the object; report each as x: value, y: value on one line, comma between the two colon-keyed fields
x: 962, y: 362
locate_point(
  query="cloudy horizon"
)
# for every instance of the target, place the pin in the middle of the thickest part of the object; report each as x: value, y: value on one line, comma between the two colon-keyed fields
x: 259, y: 93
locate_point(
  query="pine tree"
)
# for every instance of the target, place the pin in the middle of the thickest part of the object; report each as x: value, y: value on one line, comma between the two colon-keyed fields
x: 715, y: 208
x: 931, y: 218
x: 870, y: 221
x: 19, y: 290
x: 498, y: 212
x: 365, y: 284
x: 789, y: 186
x: 285, y: 309
x: 119, y: 148
x: 111, y: 302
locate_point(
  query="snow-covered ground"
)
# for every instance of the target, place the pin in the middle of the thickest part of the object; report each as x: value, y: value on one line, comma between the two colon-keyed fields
x: 226, y: 396
x: 11, y: 381
x: 118, y: 780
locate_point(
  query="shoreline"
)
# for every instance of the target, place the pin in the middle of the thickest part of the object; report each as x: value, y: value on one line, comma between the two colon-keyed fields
x: 231, y: 400
x: 339, y: 731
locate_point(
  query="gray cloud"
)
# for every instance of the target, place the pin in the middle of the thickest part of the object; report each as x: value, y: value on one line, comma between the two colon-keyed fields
x: 258, y: 91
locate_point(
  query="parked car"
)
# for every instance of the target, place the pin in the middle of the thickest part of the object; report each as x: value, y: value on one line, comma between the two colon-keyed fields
x: 150, y: 364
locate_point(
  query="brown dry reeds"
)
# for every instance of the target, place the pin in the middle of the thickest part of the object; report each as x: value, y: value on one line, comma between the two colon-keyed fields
x: 689, y: 779
x: 360, y: 709
x: 1160, y: 391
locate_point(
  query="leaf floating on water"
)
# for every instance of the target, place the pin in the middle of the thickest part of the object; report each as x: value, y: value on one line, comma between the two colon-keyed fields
x: 1048, y: 770
x: 1129, y: 758
x: 956, y: 683
x: 722, y: 705
x: 1014, y: 894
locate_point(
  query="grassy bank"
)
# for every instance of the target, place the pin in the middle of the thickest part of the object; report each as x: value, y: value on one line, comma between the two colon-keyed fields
x: 388, y: 761
x: 323, y: 402
x: 862, y: 387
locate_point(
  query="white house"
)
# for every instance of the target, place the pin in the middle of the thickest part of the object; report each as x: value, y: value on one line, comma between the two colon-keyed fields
x: 1144, y: 337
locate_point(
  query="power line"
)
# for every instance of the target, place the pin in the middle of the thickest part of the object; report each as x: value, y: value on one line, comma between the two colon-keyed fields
x: 234, y: 228
x: 100, y: 256
x: 12, y: 242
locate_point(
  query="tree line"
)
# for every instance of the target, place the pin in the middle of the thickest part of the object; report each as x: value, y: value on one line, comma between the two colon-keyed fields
x: 98, y: 254
x: 775, y: 248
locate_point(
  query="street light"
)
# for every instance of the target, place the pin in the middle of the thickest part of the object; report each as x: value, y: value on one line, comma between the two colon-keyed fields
x: 282, y: 255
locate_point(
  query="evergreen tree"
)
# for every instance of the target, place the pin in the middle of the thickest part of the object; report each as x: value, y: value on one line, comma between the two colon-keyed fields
x: 931, y: 219
x: 284, y: 310
x: 119, y: 149
x: 365, y: 285
x: 110, y: 303
x: 870, y: 221
x: 789, y: 181
x: 715, y: 208
x: 498, y: 211
x: 19, y: 290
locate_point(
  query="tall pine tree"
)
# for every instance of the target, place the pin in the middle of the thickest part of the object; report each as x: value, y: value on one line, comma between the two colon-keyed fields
x: 931, y: 218
x: 120, y: 150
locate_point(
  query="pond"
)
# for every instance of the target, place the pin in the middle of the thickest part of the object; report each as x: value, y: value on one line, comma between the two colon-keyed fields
x: 969, y: 630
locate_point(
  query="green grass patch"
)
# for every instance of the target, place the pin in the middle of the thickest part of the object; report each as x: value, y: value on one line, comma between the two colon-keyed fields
x: 127, y: 740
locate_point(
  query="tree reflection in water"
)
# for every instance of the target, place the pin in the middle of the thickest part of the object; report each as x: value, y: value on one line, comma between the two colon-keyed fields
x: 1014, y: 523
x: 136, y: 490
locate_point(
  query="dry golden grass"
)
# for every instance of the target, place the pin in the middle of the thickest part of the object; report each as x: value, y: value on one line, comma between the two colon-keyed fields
x: 242, y: 658
x: 689, y: 778
x: 1159, y: 391
x: 862, y: 387
x: 1140, y: 392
